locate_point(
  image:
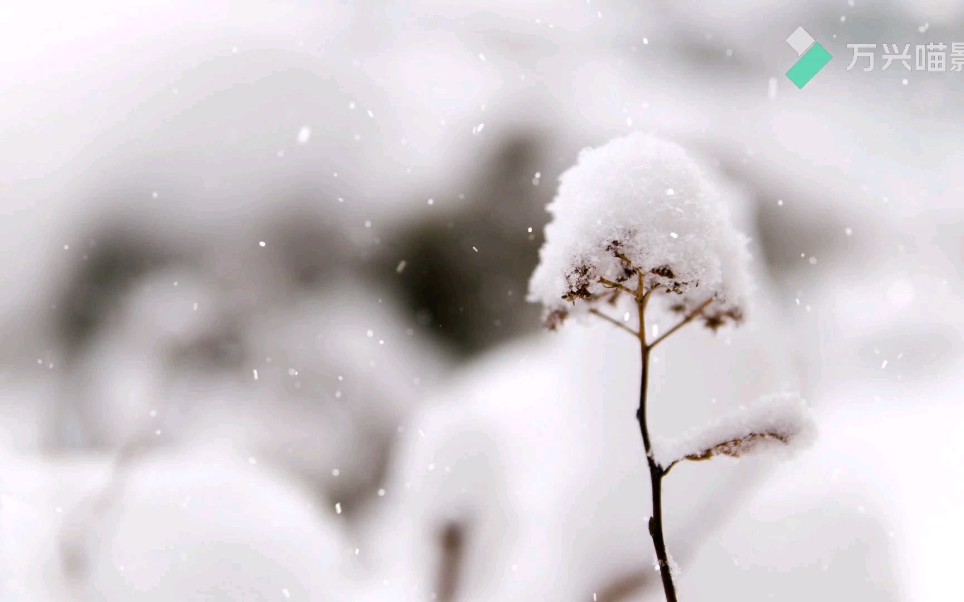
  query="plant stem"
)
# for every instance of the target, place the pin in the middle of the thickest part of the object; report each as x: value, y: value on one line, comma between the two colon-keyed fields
x: 656, y: 472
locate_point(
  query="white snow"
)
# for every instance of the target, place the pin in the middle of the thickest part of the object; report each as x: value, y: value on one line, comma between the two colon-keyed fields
x: 648, y: 200
x: 169, y: 526
x: 779, y: 420
x: 552, y: 418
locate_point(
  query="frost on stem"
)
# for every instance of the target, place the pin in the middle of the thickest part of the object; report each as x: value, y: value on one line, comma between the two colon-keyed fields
x: 640, y: 206
x: 774, y: 421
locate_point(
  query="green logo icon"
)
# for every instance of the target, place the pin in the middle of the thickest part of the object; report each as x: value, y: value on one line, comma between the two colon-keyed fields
x: 813, y: 57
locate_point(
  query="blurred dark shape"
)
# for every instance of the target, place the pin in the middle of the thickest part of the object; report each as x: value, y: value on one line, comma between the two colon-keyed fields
x: 452, y: 543
x: 141, y: 362
x: 115, y: 259
x: 467, y: 270
x: 220, y: 349
x: 792, y: 228
x: 787, y: 225
x: 625, y: 587
x: 313, y: 245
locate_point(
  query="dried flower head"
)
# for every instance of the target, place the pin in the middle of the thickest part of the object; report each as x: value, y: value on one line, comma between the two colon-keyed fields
x: 640, y: 206
x: 777, y: 420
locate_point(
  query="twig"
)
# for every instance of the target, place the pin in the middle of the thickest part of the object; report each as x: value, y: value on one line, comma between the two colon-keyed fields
x: 616, y: 285
x: 624, y: 258
x: 689, y: 318
x: 613, y: 321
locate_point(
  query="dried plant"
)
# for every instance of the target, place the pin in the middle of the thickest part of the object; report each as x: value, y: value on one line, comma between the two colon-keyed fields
x: 636, y: 220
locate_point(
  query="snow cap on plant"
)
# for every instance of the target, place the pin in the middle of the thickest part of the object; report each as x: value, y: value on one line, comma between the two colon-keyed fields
x: 778, y: 420
x: 640, y: 206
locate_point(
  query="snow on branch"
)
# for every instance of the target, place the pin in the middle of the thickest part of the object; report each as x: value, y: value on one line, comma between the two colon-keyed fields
x: 640, y: 206
x: 774, y: 421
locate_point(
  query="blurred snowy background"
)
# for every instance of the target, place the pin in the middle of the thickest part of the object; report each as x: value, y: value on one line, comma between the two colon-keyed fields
x: 264, y: 324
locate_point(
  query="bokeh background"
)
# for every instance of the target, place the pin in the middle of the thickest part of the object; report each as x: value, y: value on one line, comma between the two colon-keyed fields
x: 264, y: 329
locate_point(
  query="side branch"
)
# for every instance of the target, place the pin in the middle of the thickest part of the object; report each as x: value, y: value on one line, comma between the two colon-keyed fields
x: 610, y: 284
x: 613, y: 321
x: 689, y: 318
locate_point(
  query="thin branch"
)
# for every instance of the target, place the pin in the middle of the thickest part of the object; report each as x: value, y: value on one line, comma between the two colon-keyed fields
x: 613, y: 321
x: 642, y: 300
x: 689, y: 318
x: 616, y: 285
x: 624, y: 258
x: 649, y: 294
